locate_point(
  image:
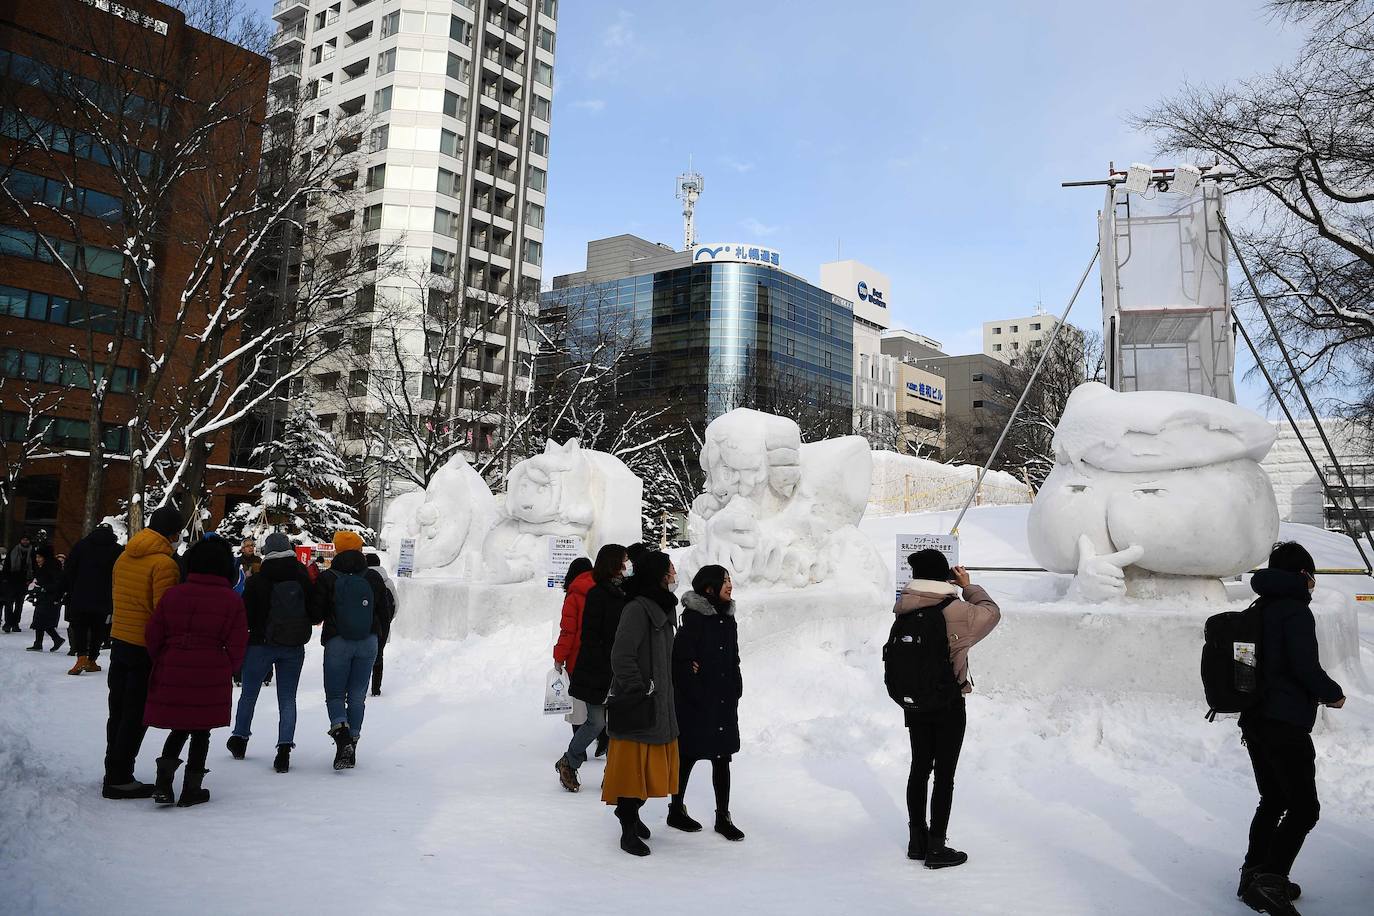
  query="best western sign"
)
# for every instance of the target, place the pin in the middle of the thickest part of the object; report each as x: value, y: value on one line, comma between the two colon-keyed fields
x: 926, y: 392
x: 871, y: 294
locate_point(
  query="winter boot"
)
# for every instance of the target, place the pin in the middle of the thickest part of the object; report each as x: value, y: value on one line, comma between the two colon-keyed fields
x: 679, y: 820
x: 80, y: 666
x: 1248, y: 874
x: 627, y: 812
x: 237, y: 746
x: 127, y: 790
x: 919, y: 843
x: 343, y: 747
x: 938, y: 855
x: 567, y: 776
x: 191, y: 791
x: 603, y: 743
x: 92, y: 667
x: 57, y: 644
x: 726, y: 827
x: 282, y: 762
x: 163, y: 793
x: 1268, y: 893
x: 37, y: 646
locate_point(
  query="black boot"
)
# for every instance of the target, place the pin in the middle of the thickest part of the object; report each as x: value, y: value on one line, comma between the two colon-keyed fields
x: 678, y: 818
x: 191, y: 791
x: 127, y: 790
x: 627, y: 812
x: 1268, y: 893
x: 37, y: 645
x: 603, y: 742
x: 163, y: 792
x: 938, y: 855
x: 282, y: 763
x: 343, y: 747
x: 1248, y: 874
x: 726, y: 827
x: 58, y: 642
x: 919, y: 843
x: 237, y: 746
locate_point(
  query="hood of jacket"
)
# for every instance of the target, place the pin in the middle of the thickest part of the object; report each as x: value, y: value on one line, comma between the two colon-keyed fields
x: 1278, y: 583
x: 581, y: 585
x: 280, y: 568
x: 922, y: 593
x: 694, y: 601
x: 349, y: 561
x: 102, y: 536
x: 146, y: 543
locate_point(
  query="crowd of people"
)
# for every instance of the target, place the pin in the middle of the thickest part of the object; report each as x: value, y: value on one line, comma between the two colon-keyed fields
x: 657, y: 681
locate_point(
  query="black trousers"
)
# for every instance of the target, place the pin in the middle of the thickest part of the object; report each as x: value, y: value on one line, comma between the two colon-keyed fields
x: 200, y: 747
x: 124, y: 729
x: 377, y: 665
x: 1285, y: 764
x: 87, y: 636
x: 12, y: 603
x: 720, y: 780
x: 935, y: 747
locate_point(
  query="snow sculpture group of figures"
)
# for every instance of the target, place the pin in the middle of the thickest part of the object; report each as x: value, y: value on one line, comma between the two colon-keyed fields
x: 775, y: 511
x: 1153, y: 495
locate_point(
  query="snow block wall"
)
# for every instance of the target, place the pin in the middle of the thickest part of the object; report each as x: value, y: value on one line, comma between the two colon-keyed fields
x: 905, y: 483
x: 1297, y: 489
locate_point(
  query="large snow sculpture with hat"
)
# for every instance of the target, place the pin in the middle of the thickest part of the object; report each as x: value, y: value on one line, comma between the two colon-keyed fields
x: 1154, y: 493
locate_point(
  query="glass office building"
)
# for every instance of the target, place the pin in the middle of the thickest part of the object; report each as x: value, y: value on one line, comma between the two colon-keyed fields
x: 703, y: 338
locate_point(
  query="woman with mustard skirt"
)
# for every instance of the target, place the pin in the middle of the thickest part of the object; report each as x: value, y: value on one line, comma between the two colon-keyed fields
x: 642, y: 761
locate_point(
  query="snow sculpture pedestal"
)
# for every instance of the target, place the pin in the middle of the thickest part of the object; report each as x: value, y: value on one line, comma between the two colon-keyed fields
x: 1154, y: 494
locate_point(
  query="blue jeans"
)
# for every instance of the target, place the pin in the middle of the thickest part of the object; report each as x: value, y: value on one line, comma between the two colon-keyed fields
x: 586, y: 733
x: 347, y: 672
x: 259, y: 660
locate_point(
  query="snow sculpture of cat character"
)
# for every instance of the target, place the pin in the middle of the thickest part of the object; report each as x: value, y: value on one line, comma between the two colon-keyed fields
x: 566, y: 491
x: 447, y: 519
x: 777, y: 512
x: 1154, y: 494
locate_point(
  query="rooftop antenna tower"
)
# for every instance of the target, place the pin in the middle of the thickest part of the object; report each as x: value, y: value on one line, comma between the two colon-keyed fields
x: 690, y: 184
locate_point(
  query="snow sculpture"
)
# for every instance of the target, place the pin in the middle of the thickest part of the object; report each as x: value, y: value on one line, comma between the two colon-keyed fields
x: 447, y: 519
x: 776, y: 512
x: 1154, y: 494
x: 567, y: 490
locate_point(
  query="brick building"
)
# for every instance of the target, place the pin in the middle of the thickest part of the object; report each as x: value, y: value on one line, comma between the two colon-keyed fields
x: 75, y: 310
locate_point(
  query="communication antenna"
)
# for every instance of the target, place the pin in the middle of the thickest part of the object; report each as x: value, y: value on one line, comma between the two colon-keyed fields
x: 690, y: 184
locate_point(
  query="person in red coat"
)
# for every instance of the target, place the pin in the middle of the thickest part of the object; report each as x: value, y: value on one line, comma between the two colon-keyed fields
x: 196, y: 639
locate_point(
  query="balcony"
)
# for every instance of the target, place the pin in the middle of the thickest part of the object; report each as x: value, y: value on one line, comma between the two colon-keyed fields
x: 289, y: 39
x: 284, y: 72
x: 290, y: 10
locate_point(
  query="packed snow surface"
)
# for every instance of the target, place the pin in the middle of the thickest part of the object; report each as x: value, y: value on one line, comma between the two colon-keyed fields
x: 1069, y: 799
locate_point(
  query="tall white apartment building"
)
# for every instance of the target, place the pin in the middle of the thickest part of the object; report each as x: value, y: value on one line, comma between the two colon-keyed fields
x: 1008, y: 338
x: 875, y: 374
x: 457, y: 97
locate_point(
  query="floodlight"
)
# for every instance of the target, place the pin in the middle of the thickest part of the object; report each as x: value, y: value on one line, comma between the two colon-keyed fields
x: 1185, y: 179
x: 1138, y: 178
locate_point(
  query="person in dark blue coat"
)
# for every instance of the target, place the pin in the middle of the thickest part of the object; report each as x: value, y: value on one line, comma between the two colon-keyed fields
x: 1278, y: 732
x: 707, y: 686
x: 87, y: 579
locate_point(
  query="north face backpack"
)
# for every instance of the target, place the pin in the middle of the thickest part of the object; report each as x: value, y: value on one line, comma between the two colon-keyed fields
x: 353, y: 605
x: 1231, y: 647
x: 287, y: 621
x: 917, y: 669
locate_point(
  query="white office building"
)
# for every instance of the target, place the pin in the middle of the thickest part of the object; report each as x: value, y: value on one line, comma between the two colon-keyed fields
x: 1008, y: 338
x: 457, y: 97
x: 875, y: 375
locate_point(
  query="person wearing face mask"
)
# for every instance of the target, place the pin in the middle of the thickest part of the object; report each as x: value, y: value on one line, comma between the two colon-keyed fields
x: 144, y: 572
x: 590, y: 665
x: 642, y: 761
x: 1278, y: 731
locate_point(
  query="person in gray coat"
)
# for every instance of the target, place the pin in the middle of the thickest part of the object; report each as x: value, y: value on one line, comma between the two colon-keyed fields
x: 642, y: 761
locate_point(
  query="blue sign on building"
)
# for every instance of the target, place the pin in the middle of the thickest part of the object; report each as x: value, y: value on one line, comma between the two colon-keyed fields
x: 735, y: 253
x: 868, y: 294
x: 927, y: 392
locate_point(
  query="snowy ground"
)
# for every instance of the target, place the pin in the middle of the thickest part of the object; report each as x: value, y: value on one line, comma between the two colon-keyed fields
x: 1067, y: 803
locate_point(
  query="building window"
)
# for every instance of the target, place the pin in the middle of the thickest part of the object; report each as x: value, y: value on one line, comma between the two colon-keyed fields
x: 977, y: 376
x: 326, y: 421
x: 1035, y: 326
x: 327, y: 381
x: 453, y: 104
x: 376, y: 177
x: 372, y: 218
x: 826, y: 359
x: 440, y: 261
x: 386, y: 62
x: 391, y: 24
x: 381, y: 136
x: 543, y: 73
x: 997, y: 330
x: 541, y: 108
x: 997, y: 348
x: 427, y: 387
x: 1016, y: 329
x: 381, y: 100
x: 977, y: 403
x: 354, y: 424
x: 534, y: 252
x: 539, y: 143
x: 538, y: 178
x: 789, y: 346
x: 459, y: 30
x: 1015, y: 345
x: 448, y: 143
x: 448, y: 183
x: 446, y: 223
x: 549, y: 8
x: 357, y: 383
x: 362, y: 341
x: 534, y: 215
x: 545, y: 39
x: 457, y: 68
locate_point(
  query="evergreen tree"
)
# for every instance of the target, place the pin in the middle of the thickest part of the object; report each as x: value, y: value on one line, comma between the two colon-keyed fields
x: 309, y: 499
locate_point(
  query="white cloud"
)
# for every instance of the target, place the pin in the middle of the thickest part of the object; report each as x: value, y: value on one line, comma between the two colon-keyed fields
x: 618, y: 44
x: 595, y: 106
x: 736, y: 164
x: 755, y: 227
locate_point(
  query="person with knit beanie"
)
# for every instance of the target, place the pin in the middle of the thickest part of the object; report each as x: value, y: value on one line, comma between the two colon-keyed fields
x: 144, y: 572
x: 277, y: 598
x: 353, y: 603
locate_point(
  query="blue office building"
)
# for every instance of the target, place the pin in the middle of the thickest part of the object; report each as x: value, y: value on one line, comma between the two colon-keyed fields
x: 708, y: 330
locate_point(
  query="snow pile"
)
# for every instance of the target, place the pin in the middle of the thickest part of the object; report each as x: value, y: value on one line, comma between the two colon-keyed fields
x: 904, y: 484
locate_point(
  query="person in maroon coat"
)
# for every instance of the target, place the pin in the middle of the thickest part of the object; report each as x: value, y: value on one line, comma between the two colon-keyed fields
x: 196, y: 639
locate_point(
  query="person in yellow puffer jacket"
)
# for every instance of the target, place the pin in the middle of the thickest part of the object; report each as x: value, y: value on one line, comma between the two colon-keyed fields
x: 144, y: 572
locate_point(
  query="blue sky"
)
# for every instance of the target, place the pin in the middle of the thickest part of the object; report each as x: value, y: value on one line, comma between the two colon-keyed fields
x: 927, y: 140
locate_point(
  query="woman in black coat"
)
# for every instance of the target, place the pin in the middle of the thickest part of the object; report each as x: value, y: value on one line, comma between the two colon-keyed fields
x: 591, y: 674
x: 86, y: 580
x: 47, y: 599
x: 707, y: 686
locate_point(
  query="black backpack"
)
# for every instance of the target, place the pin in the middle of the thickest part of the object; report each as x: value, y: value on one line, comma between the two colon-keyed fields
x: 917, y: 669
x: 1231, y: 649
x: 287, y: 622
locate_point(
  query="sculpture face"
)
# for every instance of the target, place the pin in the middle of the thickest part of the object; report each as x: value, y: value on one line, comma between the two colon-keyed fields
x: 534, y: 498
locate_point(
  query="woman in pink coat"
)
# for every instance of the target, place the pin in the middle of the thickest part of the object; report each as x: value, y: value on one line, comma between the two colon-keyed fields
x: 196, y: 638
